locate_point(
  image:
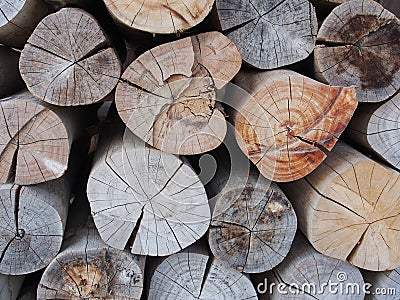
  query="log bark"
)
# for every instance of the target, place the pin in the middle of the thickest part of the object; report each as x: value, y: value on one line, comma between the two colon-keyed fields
x: 10, y: 79
x: 253, y: 223
x: 358, y: 45
x: 69, y: 61
x: 270, y: 34
x: 377, y: 128
x: 139, y: 194
x: 35, y: 139
x: 32, y: 222
x: 291, y: 122
x: 304, y: 272
x: 10, y: 286
x: 167, y: 96
x: 18, y: 19
x: 159, y: 16
x: 388, y: 284
x: 88, y: 268
x: 349, y: 209
x: 194, y: 274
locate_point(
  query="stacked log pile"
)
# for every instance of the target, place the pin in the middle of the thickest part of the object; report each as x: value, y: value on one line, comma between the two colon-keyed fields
x: 199, y: 149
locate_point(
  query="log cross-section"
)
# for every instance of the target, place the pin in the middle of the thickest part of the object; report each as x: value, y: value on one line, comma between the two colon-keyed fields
x: 291, y: 123
x: 69, y: 61
x: 167, y: 96
x: 143, y: 196
x: 359, y: 45
x: 270, y: 34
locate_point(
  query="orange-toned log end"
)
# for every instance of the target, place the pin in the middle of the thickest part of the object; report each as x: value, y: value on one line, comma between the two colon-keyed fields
x: 291, y: 122
x: 167, y: 96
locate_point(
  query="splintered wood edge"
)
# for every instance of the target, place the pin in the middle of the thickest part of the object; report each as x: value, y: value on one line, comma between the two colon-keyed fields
x: 74, y: 65
x: 287, y: 138
x: 362, y: 55
x: 167, y: 95
x: 209, y: 278
x: 34, y: 142
x: 149, y: 198
x: 159, y: 16
x: 252, y: 229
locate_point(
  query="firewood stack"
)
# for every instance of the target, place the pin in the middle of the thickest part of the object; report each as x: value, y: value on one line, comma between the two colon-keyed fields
x: 199, y: 149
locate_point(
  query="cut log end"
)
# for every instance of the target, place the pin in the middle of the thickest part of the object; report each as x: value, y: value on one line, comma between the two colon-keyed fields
x: 359, y: 44
x: 159, y: 16
x: 167, y: 96
x: 252, y: 229
x: 270, y: 34
x: 291, y: 123
x: 35, y: 143
x: 69, y: 61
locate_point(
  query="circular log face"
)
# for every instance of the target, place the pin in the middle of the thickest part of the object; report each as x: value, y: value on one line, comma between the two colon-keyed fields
x: 69, y: 61
x: 252, y: 229
x: 360, y: 42
x: 92, y: 274
x: 34, y: 142
x: 270, y: 34
x: 196, y: 276
x: 31, y: 230
x: 152, y: 198
x: 299, y: 119
x: 167, y: 96
x: 160, y: 16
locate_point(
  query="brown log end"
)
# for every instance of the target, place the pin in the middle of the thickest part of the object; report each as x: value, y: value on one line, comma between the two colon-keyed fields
x: 167, y: 96
x: 358, y: 45
x: 291, y: 123
x: 69, y: 61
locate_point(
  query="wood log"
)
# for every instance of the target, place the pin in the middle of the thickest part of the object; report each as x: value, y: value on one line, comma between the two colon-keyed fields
x: 291, y: 122
x: 35, y: 139
x: 87, y: 268
x: 377, y: 128
x: 194, y: 274
x: 32, y: 222
x: 358, y: 45
x: 253, y: 223
x: 18, y: 19
x: 69, y: 61
x: 10, y: 286
x: 167, y: 96
x: 270, y: 34
x: 307, y: 274
x: 139, y: 194
x: 158, y: 16
x: 384, y: 285
x: 10, y: 79
x: 349, y: 209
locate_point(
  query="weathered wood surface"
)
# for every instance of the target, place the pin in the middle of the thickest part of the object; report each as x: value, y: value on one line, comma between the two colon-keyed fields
x: 159, y: 16
x: 69, y: 61
x: 142, y: 196
x: 35, y: 139
x: 10, y: 286
x: 253, y: 223
x: 349, y: 209
x: 10, y: 79
x: 291, y: 122
x: 306, y: 274
x: 18, y: 18
x: 270, y: 34
x: 384, y: 285
x: 377, y: 127
x: 32, y: 222
x: 358, y: 45
x: 87, y: 268
x: 167, y: 96
x: 194, y: 274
